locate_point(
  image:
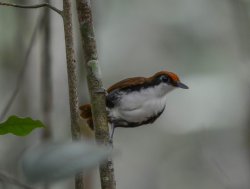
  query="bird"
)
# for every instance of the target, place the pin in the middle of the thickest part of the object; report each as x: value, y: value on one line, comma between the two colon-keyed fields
x: 136, y: 101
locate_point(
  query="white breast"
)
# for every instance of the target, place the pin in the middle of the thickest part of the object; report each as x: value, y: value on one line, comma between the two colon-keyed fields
x: 137, y: 106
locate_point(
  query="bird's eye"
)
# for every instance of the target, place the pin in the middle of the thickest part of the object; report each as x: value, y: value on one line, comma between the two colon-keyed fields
x: 165, y: 79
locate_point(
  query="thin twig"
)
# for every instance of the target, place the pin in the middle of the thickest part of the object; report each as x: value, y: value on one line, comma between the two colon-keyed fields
x: 33, y: 6
x: 98, y: 100
x: 5, y: 178
x: 25, y: 62
x: 46, y: 77
x: 72, y: 80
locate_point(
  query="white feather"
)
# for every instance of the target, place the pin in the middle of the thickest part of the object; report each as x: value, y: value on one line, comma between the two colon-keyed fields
x: 137, y: 106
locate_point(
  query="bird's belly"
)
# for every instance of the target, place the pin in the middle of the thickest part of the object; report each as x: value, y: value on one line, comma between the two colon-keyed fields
x: 137, y: 108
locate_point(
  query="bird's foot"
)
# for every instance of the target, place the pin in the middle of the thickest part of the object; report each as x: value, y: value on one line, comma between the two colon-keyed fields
x: 111, y: 142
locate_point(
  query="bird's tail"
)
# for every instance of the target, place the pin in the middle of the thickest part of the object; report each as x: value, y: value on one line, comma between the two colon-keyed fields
x: 85, y: 112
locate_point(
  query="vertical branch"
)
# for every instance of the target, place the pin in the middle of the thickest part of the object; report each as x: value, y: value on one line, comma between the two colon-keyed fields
x: 71, y: 68
x: 72, y: 80
x: 95, y: 86
x: 46, y: 85
x: 46, y: 80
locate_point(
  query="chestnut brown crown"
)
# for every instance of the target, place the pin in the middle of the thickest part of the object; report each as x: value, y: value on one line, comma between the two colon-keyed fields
x: 169, y: 78
x: 162, y: 76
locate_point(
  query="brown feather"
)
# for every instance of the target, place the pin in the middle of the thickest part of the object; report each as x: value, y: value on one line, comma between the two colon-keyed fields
x: 133, y: 81
x: 85, y: 111
x: 172, y: 75
x: 90, y: 123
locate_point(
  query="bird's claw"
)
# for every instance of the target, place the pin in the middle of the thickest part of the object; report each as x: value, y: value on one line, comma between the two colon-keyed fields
x: 111, y: 141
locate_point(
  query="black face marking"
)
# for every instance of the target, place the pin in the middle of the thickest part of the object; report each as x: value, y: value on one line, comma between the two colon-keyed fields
x: 124, y: 123
x: 138, y: 87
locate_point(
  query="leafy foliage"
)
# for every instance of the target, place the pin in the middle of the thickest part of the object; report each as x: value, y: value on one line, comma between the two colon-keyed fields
x: 19, y: 126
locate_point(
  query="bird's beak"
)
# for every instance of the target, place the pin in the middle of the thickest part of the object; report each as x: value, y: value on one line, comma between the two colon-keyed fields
x: 181, y: 85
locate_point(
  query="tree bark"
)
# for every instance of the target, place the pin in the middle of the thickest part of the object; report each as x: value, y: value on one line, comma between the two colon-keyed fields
x: 72, y: 80
x: 97, y: 95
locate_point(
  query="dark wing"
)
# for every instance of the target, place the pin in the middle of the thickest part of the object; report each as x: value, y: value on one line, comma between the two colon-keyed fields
x: 130, y: 82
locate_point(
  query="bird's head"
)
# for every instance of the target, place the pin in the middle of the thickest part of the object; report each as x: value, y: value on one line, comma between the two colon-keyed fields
x: 168, y: 78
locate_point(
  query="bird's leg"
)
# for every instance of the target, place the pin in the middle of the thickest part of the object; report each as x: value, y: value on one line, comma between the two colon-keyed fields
x: 112, y: 133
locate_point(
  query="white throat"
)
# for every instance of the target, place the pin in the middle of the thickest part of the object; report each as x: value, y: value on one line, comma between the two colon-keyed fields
x: 162, y: 89
x: 140, y: 105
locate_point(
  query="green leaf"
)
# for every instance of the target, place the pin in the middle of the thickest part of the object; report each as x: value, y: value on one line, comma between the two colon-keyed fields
x: 19, y: 126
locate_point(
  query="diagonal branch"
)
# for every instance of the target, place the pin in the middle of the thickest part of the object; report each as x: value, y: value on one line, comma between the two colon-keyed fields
x: 20, y: 77
x: 33, y: 6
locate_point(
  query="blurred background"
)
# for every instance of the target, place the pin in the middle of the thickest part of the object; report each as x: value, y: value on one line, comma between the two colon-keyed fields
x: 201, y: 141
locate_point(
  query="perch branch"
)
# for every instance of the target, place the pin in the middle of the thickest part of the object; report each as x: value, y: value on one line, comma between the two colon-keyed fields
x: 33, y: 6
x: 98, y: 99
